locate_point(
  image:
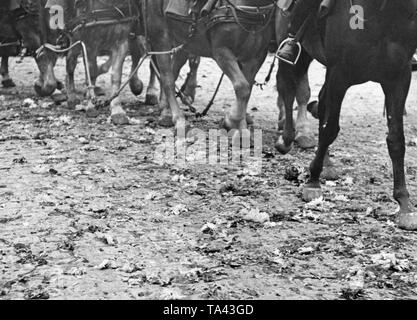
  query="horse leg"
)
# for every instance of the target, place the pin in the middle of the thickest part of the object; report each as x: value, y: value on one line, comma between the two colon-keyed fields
x: 70, y: 83
x: 396, y: 92
x: 92, y: 65
x: 136, y: 85
x: 173, y: 115
x: 304, y: 135
x: 152, y: 90
x: 118, y: 115
x: 190, y: 84
x: 227, y: 61
x: 281, y: 112
x: 330, y: 105
x: 6, y: 82
x: 102, y: 68
x: 287, y: 91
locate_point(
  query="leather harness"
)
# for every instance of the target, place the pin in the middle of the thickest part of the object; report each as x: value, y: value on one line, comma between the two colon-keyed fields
x: 250, y: 18
x: 124, y: 12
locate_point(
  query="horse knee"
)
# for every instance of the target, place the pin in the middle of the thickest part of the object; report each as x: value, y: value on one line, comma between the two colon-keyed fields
x: 242, y: 90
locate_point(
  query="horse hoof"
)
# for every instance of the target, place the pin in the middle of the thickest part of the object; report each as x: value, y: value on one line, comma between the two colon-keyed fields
x: 92, y: 112
x: 282, y: 147
x: 187, y: 100
x: 73, y: 103
x: 120, y: 119
x: 330, y: 173
x: 9, y: 83
x: 59, y: 98
x: 99, y: 91
x: 305, y: 142
x: 190, y: 94
x: 407, y: 221
x: 166, y: 121
x: 151, y: 100
x: 228, y: 125
x: 310, y: 194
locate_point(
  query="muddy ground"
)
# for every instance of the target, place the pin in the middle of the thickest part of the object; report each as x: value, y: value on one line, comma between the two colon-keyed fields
x: 86, y: 213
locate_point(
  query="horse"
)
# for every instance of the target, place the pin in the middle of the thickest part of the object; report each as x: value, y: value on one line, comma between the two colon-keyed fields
x: 22, y: 21
x: 236, y: 34
x: 304, y: 136
x: 105, y: 27
x: 356, y: 49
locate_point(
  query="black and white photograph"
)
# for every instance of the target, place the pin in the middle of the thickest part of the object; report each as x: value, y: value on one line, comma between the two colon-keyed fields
x: 208, y: 150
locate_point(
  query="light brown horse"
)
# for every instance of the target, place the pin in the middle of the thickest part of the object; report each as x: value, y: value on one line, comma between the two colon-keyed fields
x: 239, y: 52
x: 379, y: 50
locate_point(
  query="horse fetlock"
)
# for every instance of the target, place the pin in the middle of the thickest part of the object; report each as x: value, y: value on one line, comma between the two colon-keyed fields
x: 232, y: 123
x: 152, y: 98
x: 190, y: 92
x: 166, y: 119
x: 282, y: 146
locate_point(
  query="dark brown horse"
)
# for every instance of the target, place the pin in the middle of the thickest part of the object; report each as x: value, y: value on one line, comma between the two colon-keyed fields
x: 304, y: 136
x: 380, y: 50
x: 239, y: 52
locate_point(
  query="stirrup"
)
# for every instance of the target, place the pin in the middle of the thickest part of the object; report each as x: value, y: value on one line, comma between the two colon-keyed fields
x: 293, y: 63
